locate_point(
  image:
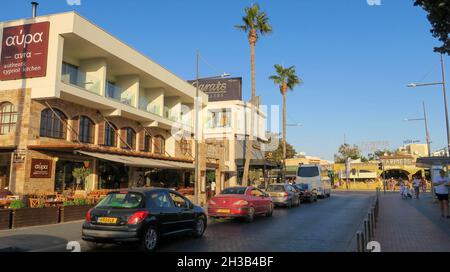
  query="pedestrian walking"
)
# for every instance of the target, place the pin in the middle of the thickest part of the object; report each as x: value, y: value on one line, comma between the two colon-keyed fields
x: 213, y: 188
x: 423, y: 184
x: 416, y: 186
x: 392, y: 184
x: 441, y: 187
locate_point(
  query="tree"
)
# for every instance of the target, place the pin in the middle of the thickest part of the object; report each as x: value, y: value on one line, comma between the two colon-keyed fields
x: 255, y: 22
x: 286, y: 79
x: 277, y: 155
x: 346, y: 151
x: 438, y: 15
x: 380, y: 153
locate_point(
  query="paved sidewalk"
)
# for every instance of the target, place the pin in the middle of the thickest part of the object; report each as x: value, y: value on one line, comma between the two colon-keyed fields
x: 412, y: 225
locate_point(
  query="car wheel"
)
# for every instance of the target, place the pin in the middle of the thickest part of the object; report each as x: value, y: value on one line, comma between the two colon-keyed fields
x: 150, y: 239
x: 270, y: 212
x: 251, y: 215
x: 199, y: 228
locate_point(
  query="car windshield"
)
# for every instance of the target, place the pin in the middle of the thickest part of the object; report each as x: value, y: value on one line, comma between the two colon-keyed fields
x: 275, y: 188
x: 234, y: 191
x: 121, y: 201
x: 308, y: 172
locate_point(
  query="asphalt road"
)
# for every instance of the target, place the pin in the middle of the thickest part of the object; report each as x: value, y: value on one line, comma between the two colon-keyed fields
x: 325, y: 226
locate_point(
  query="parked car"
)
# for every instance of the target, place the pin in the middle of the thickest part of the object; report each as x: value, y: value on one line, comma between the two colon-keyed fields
x: 243, y: 202
x: 283, y: 195
x: 317, y: 176
x: 142, y: 216
x: 307, y: 193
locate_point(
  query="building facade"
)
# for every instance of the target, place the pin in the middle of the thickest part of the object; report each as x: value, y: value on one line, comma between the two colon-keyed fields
x: 80, y: 109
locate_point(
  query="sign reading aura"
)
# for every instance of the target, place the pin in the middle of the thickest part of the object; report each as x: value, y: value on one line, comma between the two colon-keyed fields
x: 24, y: 51
x: 41, y: 168
x: 221, y: 89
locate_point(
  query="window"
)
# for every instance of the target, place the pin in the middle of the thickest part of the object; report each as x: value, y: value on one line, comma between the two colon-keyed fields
x: 185, y: 146
x: 130, y: 138
x: 53, y: 124
x: 86, y: 132
x: 159, y: 145
x: 219, y: 118
x: 110, y: 135
x: 256, y: 192
x: 8, y: 118
x: 112, y: 91
x: 179, y: 201
x: 121, y: 201
x: 234, y: 191
x: 276, y: 188
x: 148, y: 143
x: 161, y: 200
x: 70, y: 74
x: 308, y: 172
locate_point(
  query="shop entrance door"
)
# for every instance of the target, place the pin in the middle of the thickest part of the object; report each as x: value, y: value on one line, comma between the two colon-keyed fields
x: 5, y: 166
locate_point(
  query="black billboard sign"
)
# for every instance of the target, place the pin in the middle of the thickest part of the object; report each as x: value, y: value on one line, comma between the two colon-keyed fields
x: 220, y: 89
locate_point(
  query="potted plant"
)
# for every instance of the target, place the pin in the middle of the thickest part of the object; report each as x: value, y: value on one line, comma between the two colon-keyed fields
x: 27, y: 217
x: 80, y: 174
x: 74, y: 210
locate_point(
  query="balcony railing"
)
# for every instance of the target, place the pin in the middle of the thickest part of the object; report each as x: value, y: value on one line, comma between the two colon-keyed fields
x: 73, y: 75
x: 117, y: 93
x: 81, y: 79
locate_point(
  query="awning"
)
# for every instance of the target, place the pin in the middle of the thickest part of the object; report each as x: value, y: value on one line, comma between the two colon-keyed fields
x: 257, y: 163
x: 428, y: 162
x: 139, y: 161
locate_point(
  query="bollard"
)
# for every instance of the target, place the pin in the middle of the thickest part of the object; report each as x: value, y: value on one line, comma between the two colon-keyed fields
x: 374, y: 218
x: 366, y: 233
x: 372, y: 226
x: 359, y: 241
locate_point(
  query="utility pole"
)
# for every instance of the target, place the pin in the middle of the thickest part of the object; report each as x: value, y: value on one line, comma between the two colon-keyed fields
x: 196, y: 171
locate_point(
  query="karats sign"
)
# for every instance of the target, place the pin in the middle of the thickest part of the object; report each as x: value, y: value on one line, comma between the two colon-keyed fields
x: 220, y: 89
x: 24, y: 51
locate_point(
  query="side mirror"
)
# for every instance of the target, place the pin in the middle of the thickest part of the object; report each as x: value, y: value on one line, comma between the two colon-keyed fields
x: 191, y: 205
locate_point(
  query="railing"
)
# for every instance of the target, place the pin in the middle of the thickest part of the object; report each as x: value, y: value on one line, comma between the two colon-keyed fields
x: 367, y: 234
x: 117, y: 93
x: 82, y: 80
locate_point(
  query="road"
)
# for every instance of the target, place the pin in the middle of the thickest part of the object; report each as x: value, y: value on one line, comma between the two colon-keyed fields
x: 328, y: 225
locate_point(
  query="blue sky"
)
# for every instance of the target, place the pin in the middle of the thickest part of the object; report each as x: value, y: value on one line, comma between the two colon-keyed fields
x: 355, y: 59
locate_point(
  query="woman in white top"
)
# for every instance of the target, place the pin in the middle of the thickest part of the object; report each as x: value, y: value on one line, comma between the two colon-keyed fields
x: 441, y: 185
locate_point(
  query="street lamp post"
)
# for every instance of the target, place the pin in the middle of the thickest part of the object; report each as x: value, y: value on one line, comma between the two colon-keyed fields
x: 196, y: 156
x: 427, y: 134
x: 443, y: 83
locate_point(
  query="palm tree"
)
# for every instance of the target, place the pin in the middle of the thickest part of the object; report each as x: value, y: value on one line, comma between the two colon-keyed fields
x: 255, y: 22
x: 286, y: 79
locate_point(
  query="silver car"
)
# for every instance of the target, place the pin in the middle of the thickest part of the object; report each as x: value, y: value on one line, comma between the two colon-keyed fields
x: 283, y: 194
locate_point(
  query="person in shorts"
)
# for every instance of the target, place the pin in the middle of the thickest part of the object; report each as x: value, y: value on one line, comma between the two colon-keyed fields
x: 416, y: 186
x: 441, y: 185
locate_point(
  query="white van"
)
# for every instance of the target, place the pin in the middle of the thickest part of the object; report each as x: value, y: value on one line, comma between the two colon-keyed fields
x: 317, y: 176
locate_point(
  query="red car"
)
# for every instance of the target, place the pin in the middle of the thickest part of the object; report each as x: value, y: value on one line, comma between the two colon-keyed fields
x: 245, y: 202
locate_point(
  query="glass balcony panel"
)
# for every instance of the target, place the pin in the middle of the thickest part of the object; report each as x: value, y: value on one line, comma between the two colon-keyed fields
x: 74, y: 76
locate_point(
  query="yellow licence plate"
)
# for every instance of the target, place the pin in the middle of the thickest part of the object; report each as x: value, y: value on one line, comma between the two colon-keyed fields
x: 107, y: 220
x: 223, y: 211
